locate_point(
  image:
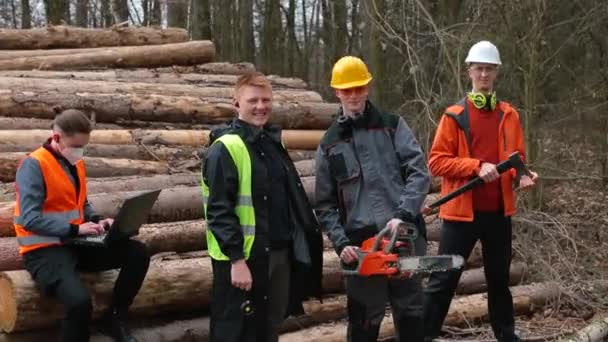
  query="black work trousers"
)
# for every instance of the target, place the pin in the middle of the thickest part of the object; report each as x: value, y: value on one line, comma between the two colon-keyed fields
x: 366, y: 305
x: 494, y: 231
x: 269, y: 297
x: 55, y: 272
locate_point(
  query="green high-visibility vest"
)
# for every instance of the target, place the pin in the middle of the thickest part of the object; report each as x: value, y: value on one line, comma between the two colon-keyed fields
x: 244, y: 206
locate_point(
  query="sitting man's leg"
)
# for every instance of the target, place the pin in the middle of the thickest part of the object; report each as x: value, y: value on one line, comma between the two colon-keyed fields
x: 54, y: 272
x: 132, y: 258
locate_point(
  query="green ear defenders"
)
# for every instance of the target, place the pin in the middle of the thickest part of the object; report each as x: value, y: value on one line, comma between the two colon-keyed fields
x: 483, y: 101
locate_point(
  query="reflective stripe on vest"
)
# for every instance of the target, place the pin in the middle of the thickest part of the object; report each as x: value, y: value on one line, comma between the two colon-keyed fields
x: 244, y: 206
x: 61, y: 201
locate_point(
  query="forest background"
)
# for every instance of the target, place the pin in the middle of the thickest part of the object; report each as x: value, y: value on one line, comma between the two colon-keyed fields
x: 555, y: 71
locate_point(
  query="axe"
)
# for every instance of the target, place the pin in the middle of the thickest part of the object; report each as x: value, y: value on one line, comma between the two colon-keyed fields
x: 513, y: 162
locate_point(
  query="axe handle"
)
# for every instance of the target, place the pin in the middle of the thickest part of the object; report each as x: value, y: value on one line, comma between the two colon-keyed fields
x: 500, y: 167
x: 468, y: 186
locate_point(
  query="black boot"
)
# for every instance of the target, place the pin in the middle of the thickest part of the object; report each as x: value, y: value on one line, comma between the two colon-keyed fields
x: 114, y: 324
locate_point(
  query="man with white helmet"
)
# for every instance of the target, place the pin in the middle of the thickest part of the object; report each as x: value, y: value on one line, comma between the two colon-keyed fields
x: 370, y: 173
x: 472, y: 137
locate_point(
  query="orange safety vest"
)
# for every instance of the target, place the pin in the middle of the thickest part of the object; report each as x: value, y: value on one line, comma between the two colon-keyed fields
x: 60, y: 202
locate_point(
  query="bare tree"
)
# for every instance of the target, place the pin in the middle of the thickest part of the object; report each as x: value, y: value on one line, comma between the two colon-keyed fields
x: 247, y: 42
x: 26, y: 14
x: 177, y: 13
x: 121, y: 11
x: 56, y: 11
x: 82, y: 13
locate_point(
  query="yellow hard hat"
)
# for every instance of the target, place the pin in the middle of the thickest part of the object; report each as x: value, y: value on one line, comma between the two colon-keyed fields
x: 349, y: 72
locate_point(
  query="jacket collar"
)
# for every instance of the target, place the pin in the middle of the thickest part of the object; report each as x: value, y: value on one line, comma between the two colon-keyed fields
x: 363, y: 120
x: 47, y: 146
x: 247, y: 132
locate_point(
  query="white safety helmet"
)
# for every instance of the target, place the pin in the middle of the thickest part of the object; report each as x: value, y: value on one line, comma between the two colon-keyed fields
x: 483, y: 52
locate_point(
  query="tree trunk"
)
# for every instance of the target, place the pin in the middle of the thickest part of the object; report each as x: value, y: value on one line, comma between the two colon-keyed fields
x: 120, y: 108
x: 82, y: 13
x: 306, y: 167
x: 214, y: 68
x: 177, y: 13
x: 26, y: 14
x: 69, y: 37
x: 293, y: 139
x: 247, y: 40
x: 272, y: 37
x: 173, y: 204
x: 18, y: 84
x: 156, y: 14
x: 150, y: 56
x: 55, y: 12
x: 594, y: 332
x: 121, y: 11
x: 201, y: 20
x: 129, y: 183
x: 96, y: 167
x: 526, y: 299
x: 151, y: 76
x: 292, y: 41
x: 185, y: 284
x: 137, y: 152
x: 106, y: 14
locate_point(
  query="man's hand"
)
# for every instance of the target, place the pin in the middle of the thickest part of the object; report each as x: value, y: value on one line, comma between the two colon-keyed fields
x: 90, y: 228
x: 394, y: 224
x: 526, y: 181
x: 488, y: 172
x: 349, y: 254
x: 106, y: 223
x: 240, y: 275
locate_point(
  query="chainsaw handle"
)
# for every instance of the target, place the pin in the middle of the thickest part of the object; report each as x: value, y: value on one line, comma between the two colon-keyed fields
x: 357, y: 264
x: 384, y: 232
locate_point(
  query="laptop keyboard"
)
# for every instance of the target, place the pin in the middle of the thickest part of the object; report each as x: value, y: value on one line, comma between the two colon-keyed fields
x: 95, y: 238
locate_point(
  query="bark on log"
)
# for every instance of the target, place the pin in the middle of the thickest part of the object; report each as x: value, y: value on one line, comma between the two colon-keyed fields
x: 57, y: 37
x: 306, y: 168
x: 526, y: 299
x: 42, y: 85
x: 96, y: 167
x: 8, y: 123
x: 20, y: 123
x: 145, y: 56
x: 139, y: 152
x: 298, y: 155
x: 173, y: 204
x: 151, y: 76
x: 594, y: 332
x: 127, y: 183
x: 184, y: 283
x: 122, y: 107
x: 293, y: 139
x: 223, y: 68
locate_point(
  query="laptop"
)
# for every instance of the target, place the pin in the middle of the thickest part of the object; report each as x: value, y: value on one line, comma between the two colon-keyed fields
x: 133, y: 213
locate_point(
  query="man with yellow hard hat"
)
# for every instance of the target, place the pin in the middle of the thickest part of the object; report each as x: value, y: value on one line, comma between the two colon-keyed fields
x: 371, y: 173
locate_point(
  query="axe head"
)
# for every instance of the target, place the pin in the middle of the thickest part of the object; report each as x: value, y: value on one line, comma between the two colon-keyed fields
x: 519, y: 166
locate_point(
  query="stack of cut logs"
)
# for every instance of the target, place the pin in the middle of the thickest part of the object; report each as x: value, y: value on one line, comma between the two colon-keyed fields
x: 154, y: 96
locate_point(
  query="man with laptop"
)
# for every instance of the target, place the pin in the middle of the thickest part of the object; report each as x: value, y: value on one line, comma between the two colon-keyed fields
x: 53, y: 220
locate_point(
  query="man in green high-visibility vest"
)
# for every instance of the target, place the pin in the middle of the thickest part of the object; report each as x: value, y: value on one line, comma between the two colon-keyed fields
x: 263, y: 237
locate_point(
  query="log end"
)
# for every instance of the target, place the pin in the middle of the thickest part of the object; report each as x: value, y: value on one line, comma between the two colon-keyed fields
x: 8, y: 304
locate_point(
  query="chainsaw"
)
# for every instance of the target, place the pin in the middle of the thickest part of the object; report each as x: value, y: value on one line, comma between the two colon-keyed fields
x: 391, y: 254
